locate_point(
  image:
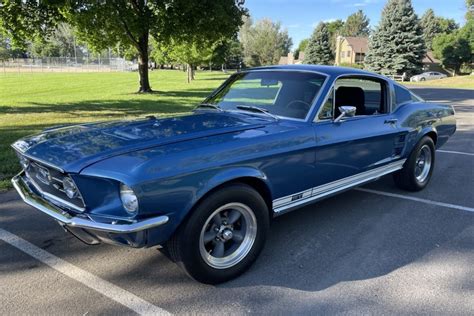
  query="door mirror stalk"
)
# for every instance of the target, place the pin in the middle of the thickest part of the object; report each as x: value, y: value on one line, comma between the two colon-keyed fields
x: 346, y: 111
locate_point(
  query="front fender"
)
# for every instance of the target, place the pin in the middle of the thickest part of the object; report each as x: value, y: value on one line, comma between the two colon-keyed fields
x: 231, y: 174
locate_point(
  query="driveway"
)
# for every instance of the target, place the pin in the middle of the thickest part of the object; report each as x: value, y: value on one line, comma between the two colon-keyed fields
x: 372, y: 250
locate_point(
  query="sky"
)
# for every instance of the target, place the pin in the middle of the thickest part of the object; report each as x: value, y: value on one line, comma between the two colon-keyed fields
x: 299, y: 17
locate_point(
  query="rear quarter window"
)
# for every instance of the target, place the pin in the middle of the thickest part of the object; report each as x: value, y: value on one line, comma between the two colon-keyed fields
x: 402, y: 95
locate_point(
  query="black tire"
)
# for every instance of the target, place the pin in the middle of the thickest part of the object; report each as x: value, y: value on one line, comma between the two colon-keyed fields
x: 185, y: 246
x: 406, y: 178
x: 422, y: 79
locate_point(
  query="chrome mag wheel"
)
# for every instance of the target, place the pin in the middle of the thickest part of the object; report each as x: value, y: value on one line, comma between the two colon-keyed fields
x: 228, y: 235
x: 423, y: 164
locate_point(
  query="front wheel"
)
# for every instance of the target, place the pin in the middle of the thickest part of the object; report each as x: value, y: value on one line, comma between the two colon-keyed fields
x: 223, y: 236
x: 418, y: 168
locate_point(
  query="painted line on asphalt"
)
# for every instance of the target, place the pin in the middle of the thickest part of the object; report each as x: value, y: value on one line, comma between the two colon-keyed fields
x: 455, y: 152
x: 90, y: 280
x: 412, y: 198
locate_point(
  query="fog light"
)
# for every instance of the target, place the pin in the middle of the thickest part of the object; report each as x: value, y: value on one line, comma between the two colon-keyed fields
x: 129, y: 199
x: 69, y: 188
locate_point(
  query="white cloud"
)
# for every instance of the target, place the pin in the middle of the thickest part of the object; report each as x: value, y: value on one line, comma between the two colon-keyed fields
x: 362, y: 4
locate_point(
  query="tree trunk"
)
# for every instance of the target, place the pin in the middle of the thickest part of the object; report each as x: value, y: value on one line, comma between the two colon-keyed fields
x: 143, y: 64
x: 188, y: 73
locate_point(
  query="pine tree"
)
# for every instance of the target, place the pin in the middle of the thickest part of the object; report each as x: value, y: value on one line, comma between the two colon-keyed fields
x: 431, y: 27
x: 397, y: 45
x: 357, y: 24
x: 319, y: 50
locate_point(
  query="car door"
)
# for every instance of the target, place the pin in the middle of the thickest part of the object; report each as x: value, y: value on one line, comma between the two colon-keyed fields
x: 355, y: 145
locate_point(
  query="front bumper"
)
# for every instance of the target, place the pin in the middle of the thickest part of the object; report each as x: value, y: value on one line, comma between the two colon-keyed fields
x: 86, y: 229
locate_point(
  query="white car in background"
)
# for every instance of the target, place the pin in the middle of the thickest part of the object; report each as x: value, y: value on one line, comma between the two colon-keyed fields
x: 428, y: 76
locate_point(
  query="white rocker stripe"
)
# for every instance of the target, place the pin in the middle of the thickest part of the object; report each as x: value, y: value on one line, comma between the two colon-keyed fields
x: 289, y: 202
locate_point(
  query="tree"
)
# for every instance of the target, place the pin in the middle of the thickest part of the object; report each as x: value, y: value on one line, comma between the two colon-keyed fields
x: 447, y: 25
x: 7, y: 51
x: 301, y: 47
x: 61, y: 43
x: 470, y: 10
x: 453, y: 50
x: 319, y: 47
x: 263, y: 42
x: 357, y: 24
x: 335, y: 28
x: 103, y: 24
x: 431, y: 27
x: 227, y: 52
x: 397, y: 45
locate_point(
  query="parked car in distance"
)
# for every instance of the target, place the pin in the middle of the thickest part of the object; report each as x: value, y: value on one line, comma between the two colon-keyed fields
x: 206, y: 186
x: 432, y: 75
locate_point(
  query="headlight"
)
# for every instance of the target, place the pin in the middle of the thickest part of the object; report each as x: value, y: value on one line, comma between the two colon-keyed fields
x: 129, y: 199
x: 69, y: 188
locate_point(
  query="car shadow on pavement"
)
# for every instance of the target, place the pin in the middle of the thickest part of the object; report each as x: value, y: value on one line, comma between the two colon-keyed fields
x: 439, y: 94
x: 353, y: 236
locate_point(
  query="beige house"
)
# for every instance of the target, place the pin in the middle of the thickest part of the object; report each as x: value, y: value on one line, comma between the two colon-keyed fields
x: 290, y: 59
x: 351, y: 50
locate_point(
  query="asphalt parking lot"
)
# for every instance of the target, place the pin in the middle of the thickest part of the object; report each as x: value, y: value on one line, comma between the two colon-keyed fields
x: 375, y: 250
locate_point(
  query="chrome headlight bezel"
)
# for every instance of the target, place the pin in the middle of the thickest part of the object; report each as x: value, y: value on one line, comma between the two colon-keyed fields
x: 70, y: 188
x: 24, y: 162
x: 129, y: 199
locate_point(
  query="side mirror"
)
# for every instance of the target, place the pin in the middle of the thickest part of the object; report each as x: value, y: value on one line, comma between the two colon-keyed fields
x: 346, y: 111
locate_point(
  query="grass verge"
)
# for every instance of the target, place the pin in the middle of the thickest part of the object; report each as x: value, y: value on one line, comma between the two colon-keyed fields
x: 31, y: 102
x: 460, y: 82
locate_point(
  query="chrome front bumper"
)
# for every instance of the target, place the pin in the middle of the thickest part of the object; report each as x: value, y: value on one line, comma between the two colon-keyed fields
x: 68, y: 220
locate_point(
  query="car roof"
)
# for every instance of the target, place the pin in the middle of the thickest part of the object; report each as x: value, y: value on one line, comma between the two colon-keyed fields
x: 328, y: 70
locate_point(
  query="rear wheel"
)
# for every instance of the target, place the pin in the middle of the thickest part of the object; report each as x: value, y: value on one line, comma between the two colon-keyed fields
x: 223, y: 236
x: 418, y: 168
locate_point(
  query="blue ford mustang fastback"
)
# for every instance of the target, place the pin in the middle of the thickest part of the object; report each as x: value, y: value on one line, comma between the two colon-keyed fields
x: 205, y: 186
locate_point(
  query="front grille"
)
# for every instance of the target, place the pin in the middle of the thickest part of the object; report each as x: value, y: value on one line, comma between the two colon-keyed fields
x: 49, y: 182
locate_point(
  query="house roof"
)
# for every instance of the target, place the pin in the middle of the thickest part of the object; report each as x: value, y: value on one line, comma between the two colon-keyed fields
x: 430, y: 59
x: 358, y: 44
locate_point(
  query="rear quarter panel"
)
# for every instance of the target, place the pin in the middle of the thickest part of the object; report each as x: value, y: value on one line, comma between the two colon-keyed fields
x: 421, y: 118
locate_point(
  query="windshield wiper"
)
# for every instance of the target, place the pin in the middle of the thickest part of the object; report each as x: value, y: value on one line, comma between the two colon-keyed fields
x: 210, y: 106
x: 252, y: 108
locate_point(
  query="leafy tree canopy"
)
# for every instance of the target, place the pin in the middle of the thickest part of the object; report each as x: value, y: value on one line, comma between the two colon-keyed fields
x: 433, y: 25
x: 453, y: 50
x: 263, y: 42
x: 335, y: 28
x: 103, y: 24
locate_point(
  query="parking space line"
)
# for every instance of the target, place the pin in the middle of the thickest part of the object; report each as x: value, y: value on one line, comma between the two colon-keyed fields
x: 90, y: 280
x: 455, y: 152
x: 412, y: 198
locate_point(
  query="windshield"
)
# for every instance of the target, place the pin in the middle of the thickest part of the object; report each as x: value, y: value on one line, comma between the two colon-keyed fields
x: 283, y: 93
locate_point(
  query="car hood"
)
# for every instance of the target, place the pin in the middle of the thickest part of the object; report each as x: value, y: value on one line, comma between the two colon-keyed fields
x: 72, y: 148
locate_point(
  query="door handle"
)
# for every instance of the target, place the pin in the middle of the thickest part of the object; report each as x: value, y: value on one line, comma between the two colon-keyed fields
x: 391, y: 121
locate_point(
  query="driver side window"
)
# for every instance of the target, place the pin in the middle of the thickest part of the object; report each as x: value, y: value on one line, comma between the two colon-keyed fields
x: 367, y: 95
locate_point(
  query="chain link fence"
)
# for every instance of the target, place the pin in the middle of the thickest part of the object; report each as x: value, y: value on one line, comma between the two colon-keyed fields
x: 66, y: 64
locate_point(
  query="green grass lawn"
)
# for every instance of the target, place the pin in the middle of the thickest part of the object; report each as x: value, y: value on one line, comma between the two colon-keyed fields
x: 32, y: 102
x: 460, y: 82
